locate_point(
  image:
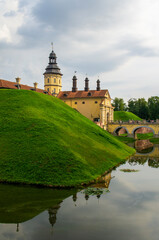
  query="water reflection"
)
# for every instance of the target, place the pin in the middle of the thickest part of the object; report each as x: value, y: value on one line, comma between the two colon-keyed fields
x: 19, y: 204
x: 52, y: 214
x: 144, y: 146
x: 103, y: 181
x: 130, y: 210
x: 146, y: 152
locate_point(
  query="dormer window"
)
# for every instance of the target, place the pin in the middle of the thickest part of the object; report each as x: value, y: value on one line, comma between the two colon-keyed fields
x: 65, y: 95
x: 89, y: 94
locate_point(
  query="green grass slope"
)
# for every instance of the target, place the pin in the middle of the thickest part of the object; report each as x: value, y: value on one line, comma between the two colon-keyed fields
x: 44, y: 141
x: 125, y: 116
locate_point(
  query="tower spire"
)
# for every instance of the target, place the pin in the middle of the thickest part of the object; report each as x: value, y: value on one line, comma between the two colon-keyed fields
x: 52, y: 45
x: 52, y: 75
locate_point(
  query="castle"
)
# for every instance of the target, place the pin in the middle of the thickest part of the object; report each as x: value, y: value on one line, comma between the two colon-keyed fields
x: 93, y: 104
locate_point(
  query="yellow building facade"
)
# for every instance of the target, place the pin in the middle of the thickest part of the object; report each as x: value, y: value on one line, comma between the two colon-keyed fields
x: 52, y: 76
x: 93, y: 104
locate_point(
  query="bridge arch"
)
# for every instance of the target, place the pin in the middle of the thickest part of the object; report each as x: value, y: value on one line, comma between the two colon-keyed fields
x: 116, y: 131
x: 135, y: 129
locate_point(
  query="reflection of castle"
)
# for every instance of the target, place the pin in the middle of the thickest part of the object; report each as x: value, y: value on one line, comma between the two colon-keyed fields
x: 104, y: 181
x: 52, y: 214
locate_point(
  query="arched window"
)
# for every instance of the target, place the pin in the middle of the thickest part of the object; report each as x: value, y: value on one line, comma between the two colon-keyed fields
x: 54, y: 80
x: 48, y: 80
x: 59, y: 81
x: 54, y: 90
x: 48, y: 89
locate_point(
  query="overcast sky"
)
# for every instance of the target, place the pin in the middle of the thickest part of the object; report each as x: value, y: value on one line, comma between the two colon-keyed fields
x: 117, y: 40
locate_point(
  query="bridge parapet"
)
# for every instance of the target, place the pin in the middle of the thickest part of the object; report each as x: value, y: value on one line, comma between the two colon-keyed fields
x: 131, y: 128
x: 134, y: 123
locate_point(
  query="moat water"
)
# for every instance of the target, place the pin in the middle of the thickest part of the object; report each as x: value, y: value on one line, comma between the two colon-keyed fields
x: 130, y: 210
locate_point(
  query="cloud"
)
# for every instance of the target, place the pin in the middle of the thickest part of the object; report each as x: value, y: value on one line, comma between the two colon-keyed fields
x: 136, y: 47
x: 10, y: 14
x: 106, y: 38
x: 71, y: 14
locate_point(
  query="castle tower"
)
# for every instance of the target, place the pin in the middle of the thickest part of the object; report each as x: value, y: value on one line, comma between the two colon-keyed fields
x: 53, y: 76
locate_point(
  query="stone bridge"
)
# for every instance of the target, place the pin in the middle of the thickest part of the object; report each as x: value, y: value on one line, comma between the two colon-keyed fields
x: 131, y: 128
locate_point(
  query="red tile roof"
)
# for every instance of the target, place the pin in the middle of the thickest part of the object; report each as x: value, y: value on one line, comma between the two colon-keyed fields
x: 83, y: 94
x: 13, y: 85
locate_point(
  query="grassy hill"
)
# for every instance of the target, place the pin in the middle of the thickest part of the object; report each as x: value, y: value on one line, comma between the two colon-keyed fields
x: 44, y: 141
x: 125, y: 116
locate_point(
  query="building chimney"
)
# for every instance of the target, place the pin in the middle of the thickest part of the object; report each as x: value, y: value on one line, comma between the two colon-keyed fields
x: 74, y: 87
x: 18, y: 79
x: 35, y: 85
x: 86, y: 85
x: 98, y: 85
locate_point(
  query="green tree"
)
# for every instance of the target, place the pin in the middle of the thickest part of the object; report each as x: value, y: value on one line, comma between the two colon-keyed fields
x: 153, y: 105
x: 139, y: 107
x: 133, y: 106
x: 119, y: 104
x: 143, y: 108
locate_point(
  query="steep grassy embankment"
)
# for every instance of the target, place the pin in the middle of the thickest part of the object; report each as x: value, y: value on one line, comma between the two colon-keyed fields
x: 44, y: 141
x: 125, y: 116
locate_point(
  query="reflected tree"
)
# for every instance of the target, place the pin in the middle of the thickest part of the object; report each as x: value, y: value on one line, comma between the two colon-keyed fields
x: 153, y: 162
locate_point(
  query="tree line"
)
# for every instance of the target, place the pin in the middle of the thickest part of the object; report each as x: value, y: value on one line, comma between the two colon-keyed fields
x: 148, y: 110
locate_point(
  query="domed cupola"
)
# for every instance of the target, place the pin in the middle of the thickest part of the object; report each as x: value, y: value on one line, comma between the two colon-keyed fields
x: 52, y: 66
x: 53, y: 75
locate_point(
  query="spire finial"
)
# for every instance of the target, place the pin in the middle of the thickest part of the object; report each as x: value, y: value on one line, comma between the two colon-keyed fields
x: 52, y: 45
x: 75, y: 72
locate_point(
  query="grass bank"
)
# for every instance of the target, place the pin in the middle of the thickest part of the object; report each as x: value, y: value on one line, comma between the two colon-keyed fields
x: 142, y: 136
x: 44, y: 141
x: 154, y: 140
x: 125, y: 116
x: 125, y: 139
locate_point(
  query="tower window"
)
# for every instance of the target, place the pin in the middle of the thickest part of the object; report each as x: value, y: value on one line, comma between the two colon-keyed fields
x: 54, y: 80
x: 83, y: 102
x: 96, y: 102
x: 48, y: 89
x: 59, y: 81
x: 75, y: 102
x: 48, y: 80
x: 54, y: 90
